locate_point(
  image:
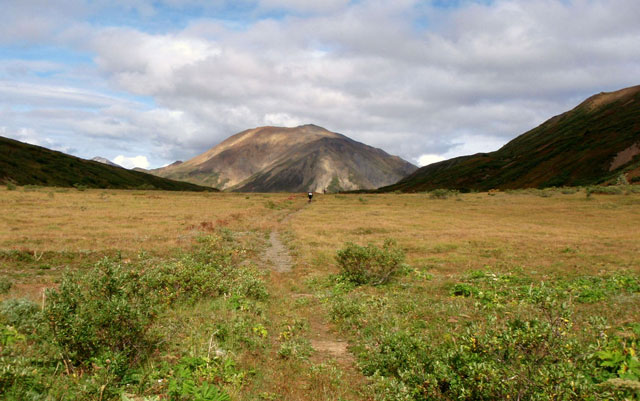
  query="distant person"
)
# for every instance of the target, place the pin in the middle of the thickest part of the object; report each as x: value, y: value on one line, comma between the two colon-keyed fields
x: 310, y: 196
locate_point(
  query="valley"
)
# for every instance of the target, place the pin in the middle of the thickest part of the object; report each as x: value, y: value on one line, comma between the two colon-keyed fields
x: 289, y: 325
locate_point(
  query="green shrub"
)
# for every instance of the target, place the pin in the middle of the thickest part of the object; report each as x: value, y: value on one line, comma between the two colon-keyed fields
x: 103, y: 315
x: 463, y: 290
x: 443, y: 193
x: 370, y: 264
x: 98, y: 327
x: 31, y: 188
x: 21, y: 313
x: 296, y: 347
x: 193, y: 376
x: 619, y: 357
x: 622, y: 180
x: 11, y: 186
x: 5, y: 285
x: 80, y: 187
x: 346, y: 310
x: 604, y: 190
x: 201, y: 275
x: 528, y: 359
x: 569, y: 190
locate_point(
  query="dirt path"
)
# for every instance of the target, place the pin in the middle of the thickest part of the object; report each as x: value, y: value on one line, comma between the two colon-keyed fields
x: 323, y: 340
x: 276, y: 255
x: 292, y: 300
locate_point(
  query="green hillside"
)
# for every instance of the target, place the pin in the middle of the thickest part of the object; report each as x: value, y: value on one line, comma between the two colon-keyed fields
x: 25, y: 164
x: 591, y: 144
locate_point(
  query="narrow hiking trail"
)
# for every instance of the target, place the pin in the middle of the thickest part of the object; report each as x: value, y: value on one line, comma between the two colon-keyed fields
x: 293, y: 302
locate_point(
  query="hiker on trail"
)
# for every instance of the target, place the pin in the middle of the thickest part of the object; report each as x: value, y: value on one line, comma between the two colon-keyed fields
x: 310, y: 196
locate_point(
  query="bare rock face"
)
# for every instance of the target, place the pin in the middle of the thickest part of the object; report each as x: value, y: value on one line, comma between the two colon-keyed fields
x: 305, y: 158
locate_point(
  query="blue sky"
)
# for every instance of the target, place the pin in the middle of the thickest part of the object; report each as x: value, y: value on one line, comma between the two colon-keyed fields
x: 150, y: 82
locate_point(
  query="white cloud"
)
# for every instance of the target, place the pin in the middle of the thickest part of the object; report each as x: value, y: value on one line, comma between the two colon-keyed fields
x: 281, y: 120
x: 132, y: 162
x: 305, y: 5
x: 26, y: 135
x: 147, y: 63
x: 406, y: 76
x: 427, y: 159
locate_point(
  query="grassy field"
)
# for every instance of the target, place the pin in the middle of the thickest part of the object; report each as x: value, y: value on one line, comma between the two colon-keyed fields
x: 508, y: 295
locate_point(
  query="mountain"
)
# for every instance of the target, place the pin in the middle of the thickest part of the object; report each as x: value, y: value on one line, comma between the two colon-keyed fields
x: 105, y: 161
x: 591, y: 144
x: 305, y: 158
x: 25, y: 164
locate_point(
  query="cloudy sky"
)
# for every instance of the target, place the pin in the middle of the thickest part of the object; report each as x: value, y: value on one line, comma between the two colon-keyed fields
x: 147, y: 82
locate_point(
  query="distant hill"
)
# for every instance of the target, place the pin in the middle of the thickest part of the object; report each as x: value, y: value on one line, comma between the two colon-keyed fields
x: 305, y: 158
x: 591, y: 144
x: 26, y: 164
x: 105, y: 161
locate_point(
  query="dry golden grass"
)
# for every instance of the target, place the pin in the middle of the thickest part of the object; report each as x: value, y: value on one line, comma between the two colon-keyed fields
x: 97, y: 220
x: 566, y: 234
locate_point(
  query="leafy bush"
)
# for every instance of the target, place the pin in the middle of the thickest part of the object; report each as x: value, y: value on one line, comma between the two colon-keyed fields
x: 293, y: 344
x: 346, y: 311
x: 622, y: 180
x: 98, y: 327
x: 5, y: 285
x: 80, y: 187
x: 463, y: 290
x: 191, y: 279
x: 443, y: 193
x: 11, y: 186
x: 619, y: 357
x: 603, y: 190
x: 21, y: 313
x: 569, y: 190
x: 528, y: 359
x: 193, y: 376
x: 370, y: 264
x: 103, y: 316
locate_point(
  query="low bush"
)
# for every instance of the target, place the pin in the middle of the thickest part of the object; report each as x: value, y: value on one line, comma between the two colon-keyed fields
x: 370, y: 264
x: 21, y: 313
x: 108, y: 333
x: 569, y: 190
x: 463, y: 290
x: 530, y: 359
x: 443, y: 193
x: 5, y: 285
x: 618, y: 358
x: 604, y: 190
x: 622, y: 180
x: 193, y: 379
x: 100, y: 316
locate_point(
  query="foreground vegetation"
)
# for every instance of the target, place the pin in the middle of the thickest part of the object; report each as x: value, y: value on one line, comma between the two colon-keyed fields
x: 504, y: 295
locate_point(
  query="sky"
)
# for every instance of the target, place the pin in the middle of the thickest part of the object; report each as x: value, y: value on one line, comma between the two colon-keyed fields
x: 147, y: 82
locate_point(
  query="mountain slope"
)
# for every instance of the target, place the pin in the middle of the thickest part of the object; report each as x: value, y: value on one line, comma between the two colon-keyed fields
x: 26, y: 164
x: 273, y: 159
x: 594, y: 142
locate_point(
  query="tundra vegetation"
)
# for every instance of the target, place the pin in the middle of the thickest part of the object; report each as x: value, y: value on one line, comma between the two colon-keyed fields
x: 148, y: 295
